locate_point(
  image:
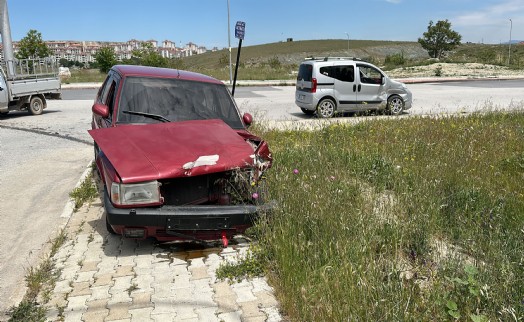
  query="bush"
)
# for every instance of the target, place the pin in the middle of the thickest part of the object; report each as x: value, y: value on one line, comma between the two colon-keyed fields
x: 395, y: 59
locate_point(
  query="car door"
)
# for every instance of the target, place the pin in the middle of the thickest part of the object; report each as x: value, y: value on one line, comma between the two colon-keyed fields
x: 345, y: 86
x: 371, y: 91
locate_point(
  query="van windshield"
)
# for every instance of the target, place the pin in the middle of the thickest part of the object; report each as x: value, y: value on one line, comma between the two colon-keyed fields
x: 305, y: 72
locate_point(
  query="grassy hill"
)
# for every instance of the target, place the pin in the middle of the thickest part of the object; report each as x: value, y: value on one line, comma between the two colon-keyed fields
x: 280, y: 60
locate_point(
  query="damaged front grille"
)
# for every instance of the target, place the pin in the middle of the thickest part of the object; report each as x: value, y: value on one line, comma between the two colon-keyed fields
x: 226, y: 188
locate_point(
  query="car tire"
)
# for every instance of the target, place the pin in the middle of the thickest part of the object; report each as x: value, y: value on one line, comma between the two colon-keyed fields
x: 36, y: 105
x: 395, y: 105
x: 326, y: 108
x: 307, y: 112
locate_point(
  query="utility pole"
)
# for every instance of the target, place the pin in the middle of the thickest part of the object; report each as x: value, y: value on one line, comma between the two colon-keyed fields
x: 510, y: 28
x: 229, y: 44
x: 348, y: 42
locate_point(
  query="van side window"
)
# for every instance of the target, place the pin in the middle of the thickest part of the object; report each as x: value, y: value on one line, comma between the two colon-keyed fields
x: 345, y: 73
x: 342, y: 73
x: 370, y: 75
x: 327, y: 71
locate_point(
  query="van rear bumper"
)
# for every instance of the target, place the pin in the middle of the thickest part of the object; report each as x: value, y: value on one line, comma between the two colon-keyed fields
x: 305, y: 100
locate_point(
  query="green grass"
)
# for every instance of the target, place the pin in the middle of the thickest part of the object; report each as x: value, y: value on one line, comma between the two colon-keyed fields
x: 40, y: 281
x: 84, y: 193
x: 250, y: 266
x: 85, y: 76
x: 385, y: 219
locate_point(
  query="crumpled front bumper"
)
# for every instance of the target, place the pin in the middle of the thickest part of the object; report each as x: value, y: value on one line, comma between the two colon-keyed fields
x: 203, y: 222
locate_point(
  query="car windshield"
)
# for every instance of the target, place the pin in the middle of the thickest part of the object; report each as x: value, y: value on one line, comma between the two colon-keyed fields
x: 176, y: 100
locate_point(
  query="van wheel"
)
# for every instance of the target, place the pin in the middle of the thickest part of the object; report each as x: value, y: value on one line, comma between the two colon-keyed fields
x: 326, y: 108
x: 307, y: 112
x: 36, y: 105
x: 395, y: 105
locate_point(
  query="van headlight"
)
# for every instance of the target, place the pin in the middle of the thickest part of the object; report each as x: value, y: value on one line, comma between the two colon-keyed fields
x: 135, y: 193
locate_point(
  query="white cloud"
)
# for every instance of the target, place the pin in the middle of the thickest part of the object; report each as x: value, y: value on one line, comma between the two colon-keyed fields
x: 491, y: 23
x: 394, y: 1
x: 492, y: 15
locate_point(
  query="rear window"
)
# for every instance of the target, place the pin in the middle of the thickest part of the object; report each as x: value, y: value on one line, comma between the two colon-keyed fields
x: 305, y: 72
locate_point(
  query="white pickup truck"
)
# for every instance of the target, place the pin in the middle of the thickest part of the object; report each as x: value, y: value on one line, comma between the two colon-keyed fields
x: 25, y: 84
x: 34, y: 81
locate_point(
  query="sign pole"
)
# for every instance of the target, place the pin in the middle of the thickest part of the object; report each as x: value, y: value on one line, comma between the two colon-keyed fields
x: 240, y: 30
x: 236, y: 66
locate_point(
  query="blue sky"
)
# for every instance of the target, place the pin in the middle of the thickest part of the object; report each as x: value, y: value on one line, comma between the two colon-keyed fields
x: 204, y: 22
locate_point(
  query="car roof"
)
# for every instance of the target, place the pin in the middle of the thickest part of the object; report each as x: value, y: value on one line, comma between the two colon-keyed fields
x: 146, y: 71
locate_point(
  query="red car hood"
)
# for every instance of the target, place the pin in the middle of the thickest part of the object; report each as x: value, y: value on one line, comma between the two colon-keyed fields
x: 169, y: 150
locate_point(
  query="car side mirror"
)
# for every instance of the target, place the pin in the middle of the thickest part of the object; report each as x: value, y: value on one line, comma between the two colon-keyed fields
x: 383, y: 80
x: 100, y: 110
x: 247, y: 118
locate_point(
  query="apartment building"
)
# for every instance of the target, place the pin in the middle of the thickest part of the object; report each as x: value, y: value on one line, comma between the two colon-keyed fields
x: 84, y: 51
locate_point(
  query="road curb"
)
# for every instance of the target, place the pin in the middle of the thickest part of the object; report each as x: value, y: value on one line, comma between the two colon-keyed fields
x: 69, y: 207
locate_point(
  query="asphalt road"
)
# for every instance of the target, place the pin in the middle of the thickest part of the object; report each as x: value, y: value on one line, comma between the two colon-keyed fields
x: 41, y: 160
x: 42, y: 157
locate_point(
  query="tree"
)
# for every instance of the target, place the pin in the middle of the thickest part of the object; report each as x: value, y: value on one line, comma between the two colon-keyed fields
x: 32, y: 46
x: 105, y: 58
x: 146, y: 55
x: 439, y: 38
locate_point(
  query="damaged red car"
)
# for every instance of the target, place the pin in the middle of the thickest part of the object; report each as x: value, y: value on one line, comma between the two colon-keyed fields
x: 175, y: 157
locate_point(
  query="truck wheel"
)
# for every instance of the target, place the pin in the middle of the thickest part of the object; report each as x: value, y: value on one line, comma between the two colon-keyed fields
x: 326, y: 108
x: 36, y: 105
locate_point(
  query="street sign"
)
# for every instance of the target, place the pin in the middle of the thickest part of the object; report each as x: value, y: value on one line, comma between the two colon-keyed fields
x: 240, y: 29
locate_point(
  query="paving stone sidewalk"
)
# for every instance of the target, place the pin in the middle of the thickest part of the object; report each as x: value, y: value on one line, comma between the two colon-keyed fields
x: 108, y: 278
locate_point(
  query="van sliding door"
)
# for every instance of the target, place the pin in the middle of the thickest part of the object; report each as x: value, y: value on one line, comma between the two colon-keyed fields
x: 345, y: 87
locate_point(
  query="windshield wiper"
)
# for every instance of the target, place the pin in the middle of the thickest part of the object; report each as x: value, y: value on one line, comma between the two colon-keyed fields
x: 152, y: 116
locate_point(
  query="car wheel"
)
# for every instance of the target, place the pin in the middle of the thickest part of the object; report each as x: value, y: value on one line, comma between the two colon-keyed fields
x: 36, y: 105
x: 307, y: 112
x: 326, y: 108
x: 395, y: 105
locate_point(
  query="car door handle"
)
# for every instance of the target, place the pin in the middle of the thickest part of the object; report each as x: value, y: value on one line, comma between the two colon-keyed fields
x: 359, y: 87
x: 354, y: 88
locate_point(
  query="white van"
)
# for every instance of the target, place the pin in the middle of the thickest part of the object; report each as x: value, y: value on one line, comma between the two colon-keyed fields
x: 341, y: 84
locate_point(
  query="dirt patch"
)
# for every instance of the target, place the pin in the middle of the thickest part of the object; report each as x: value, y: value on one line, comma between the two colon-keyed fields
x: 455, y: 70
